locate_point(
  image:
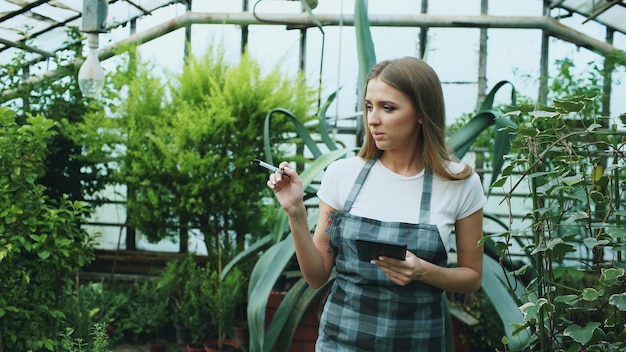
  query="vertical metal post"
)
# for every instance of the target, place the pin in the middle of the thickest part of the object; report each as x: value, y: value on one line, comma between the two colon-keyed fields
x: 482, y: 55
x: 303, y: 34
x: 423, y: 32
x: 244, y: 28
x: 187, y: 51
x: 543, y: 61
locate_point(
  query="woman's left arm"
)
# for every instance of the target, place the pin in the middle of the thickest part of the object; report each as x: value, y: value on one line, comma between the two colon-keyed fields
x: 466, y: 277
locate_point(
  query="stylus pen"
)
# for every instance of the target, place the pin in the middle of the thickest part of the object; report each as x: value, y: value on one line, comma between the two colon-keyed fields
x: 269, y: 166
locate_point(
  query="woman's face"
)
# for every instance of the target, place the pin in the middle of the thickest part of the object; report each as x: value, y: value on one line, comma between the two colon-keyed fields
x: 391, y: 118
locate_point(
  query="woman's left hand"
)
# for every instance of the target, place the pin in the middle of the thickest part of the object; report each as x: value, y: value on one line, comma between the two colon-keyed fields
x: 402, y: 272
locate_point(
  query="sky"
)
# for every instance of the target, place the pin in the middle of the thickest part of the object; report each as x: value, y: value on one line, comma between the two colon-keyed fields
x: 513, y: 54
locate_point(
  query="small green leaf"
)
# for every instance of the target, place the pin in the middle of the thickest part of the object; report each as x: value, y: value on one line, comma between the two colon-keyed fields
x: 597, y: 198
x: 581, y: 215
x: 619, y: 301
x: 610, y: 276
x: 591, y: 294
x: 559, y: 248
x: 500, y: 182
x: 522, y: 270
x: 568, y: 105
x: 579, y: 334
x: 567, y: 299
x: 591, y: 242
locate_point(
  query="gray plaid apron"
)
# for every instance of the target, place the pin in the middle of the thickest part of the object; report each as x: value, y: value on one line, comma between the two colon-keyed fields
x: 365, y: 310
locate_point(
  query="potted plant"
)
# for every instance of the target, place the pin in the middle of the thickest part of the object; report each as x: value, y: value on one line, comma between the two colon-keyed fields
x: 149, y: 307
x: 223, y: 294
x: 172, y: 283
x: 181, y: 282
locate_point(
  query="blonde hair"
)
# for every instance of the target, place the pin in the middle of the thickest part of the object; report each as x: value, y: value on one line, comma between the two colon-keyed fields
x: 419, y: 82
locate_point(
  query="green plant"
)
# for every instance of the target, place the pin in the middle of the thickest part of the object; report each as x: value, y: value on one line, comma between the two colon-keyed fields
x: 42, y: 245
x: 64, y: 174
x: 222, y: 295
x: 574, y: 221
x: 149, y: 308
x: 99, y: 342
x: 172, y: 283
x: 188, y: 142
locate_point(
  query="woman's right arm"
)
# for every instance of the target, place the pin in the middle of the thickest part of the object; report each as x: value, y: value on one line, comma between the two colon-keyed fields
x: 315, y: 254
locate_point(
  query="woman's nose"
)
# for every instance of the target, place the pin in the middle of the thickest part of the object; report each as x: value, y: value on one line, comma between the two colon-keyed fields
x: 372, y: 117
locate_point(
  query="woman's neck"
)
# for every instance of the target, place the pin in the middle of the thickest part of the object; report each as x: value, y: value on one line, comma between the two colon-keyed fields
x: 406, y: 164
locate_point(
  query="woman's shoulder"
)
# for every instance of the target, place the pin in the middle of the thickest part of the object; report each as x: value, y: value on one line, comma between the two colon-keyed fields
x: 455, y: 167
x: 349, y: 163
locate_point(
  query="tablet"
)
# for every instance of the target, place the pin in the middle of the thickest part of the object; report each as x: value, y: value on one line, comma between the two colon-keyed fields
x: 372, y: 249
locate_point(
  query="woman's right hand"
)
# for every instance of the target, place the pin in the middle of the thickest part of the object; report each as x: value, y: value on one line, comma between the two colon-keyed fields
x: 288, y: 189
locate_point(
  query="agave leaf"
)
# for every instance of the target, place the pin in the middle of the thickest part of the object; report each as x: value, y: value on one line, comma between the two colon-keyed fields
x: 503, y: 302
x: 283, y: 313
x: 366, y: 55
x: 364, y: 42
x: 302, y: 131
x: 461, y: 141
x: 248, y: 253
x: 295, y: 306
x: 323, y: 123
x: 488, y: 102
x: 265, y: 273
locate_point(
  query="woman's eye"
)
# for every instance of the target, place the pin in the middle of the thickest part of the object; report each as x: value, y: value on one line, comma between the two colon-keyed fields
x: 369, y: 107
x: 388, y: 108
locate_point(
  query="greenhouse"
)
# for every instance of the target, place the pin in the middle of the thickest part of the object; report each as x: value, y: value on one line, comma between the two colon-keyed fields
x: 151, y: 151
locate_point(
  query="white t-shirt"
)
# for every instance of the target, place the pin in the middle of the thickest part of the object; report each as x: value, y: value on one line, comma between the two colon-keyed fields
x: 387, y: 196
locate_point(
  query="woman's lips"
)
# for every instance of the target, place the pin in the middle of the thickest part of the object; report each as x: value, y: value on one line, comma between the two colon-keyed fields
x: 377, y: 135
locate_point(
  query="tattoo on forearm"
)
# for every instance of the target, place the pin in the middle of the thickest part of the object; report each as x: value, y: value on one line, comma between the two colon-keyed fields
x: 329, y: 221
x: 331, y: 216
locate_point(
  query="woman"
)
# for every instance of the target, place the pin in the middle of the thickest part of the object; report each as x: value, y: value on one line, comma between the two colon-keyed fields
x: 385, y: 193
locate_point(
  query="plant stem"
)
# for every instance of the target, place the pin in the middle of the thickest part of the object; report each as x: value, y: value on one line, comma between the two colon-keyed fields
x: 538, y: 238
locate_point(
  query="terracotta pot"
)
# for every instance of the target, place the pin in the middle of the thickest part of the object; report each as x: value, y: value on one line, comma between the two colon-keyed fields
x: 227, y: 345
x: 195, y: 347
x: 242, y: 334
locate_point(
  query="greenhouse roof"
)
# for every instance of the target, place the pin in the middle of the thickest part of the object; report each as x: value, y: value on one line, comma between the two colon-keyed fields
x: 611, y: 13
x: 38, y: 29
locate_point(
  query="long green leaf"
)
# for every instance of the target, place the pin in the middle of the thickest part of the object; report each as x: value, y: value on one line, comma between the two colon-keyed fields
x: 503, y: 302
x: 461, y: 141
x: 247, y: 253
x: 265, y: 273
x: 366, y: 55
x: 302, y: 131
x: 323, y: 124
x: 296, y: 306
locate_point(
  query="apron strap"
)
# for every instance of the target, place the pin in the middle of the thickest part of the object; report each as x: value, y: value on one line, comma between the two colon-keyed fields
x: 427, y: 190
x: 358, y: 183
